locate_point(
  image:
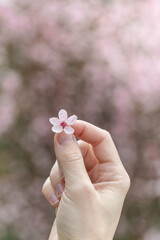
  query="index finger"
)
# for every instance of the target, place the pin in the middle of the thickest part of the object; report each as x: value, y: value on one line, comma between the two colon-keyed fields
x: 100, y: 139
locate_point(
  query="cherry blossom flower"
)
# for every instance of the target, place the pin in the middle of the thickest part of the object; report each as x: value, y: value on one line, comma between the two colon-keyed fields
x: 63, y: 122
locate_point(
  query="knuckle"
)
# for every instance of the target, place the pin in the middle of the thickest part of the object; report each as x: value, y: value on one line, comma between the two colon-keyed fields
x: 51, y: 174
x: 107, y: 135
x: 51, y: 179
x: 53, y: 169
x: 44, y: 187
x: 125, y: 182
x: 72, y: 156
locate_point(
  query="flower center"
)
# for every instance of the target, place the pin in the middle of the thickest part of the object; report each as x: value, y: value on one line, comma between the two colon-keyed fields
x: 63, y: 124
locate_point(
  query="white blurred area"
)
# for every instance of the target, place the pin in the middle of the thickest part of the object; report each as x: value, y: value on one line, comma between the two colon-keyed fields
x: 6, y: 2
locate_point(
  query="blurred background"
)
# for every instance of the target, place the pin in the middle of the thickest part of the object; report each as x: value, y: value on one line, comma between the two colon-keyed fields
x: 99, y: 60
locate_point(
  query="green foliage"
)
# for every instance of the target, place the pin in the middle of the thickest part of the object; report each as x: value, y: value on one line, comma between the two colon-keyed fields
x: 10, y: 234
x: 4, y: 167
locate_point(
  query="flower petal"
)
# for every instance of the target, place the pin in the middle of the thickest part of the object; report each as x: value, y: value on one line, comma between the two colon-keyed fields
x: 71, y: 120
x: 55, y: 121
x: 63, y: 115
x: 68, y: 130
x: 57, y: 129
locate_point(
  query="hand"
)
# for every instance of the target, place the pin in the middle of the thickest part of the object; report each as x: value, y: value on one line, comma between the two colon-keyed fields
x: 89, y: 201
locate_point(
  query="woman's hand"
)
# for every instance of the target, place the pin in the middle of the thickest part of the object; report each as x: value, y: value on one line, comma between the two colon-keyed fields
x: 90, y: 196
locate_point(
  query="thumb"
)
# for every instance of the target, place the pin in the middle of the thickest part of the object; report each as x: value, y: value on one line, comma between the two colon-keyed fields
x: 70, y: 159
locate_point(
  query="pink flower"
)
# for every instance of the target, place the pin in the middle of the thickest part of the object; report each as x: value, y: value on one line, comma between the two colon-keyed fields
x: 63, y: 122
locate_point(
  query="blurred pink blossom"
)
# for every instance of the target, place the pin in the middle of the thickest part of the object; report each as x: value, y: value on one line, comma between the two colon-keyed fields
x: 102, y: 60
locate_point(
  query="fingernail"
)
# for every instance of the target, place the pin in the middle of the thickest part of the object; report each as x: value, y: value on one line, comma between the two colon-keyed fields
x: 59, y: 189
x: 54, y: 199
x: 63, y: 137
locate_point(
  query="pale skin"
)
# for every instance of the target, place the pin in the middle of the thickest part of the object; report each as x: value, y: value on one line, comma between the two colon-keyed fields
x: 94, y: 185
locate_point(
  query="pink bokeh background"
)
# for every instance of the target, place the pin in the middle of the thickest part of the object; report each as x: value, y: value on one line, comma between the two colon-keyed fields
x: 99, y: 60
